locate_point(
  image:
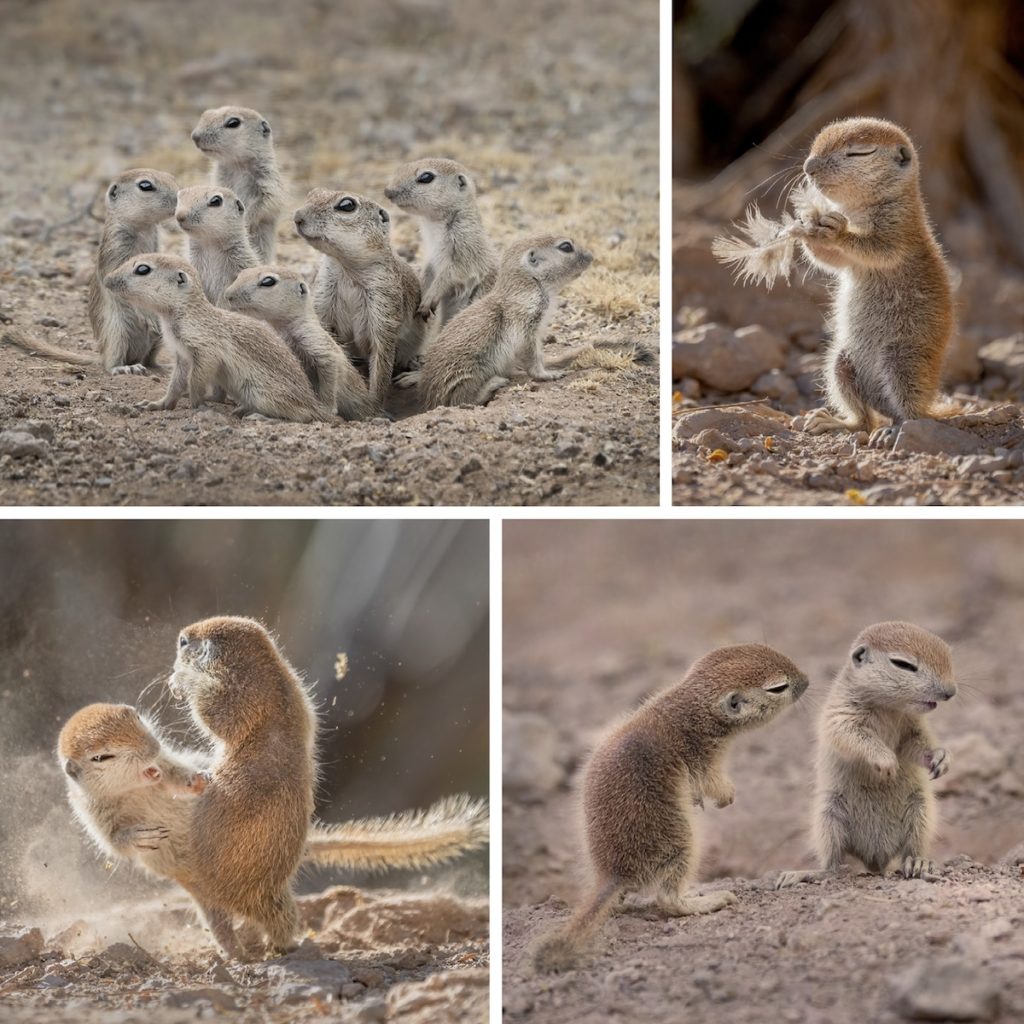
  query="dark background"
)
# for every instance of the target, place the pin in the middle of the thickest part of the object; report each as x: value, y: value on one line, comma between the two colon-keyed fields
x: 90, y: 611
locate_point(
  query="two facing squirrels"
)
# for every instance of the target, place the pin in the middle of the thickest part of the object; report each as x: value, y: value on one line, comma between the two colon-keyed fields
x: 370, y: 306
x: 233, y: 828
x: 875, y: 759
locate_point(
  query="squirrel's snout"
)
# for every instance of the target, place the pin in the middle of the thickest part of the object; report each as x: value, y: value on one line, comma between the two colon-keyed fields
x: 812, y: 164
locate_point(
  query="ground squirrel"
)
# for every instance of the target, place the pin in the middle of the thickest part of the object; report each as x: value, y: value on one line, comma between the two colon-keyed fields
x: 251, y: 823
x: 137, y: 201
x: 892, y: 315
x: 284, y: 300
x: 461, y: 261
x: 127, y: 787
x: 645, y: 775
x: 365, y: 294
x: 876, y: 755
x: 240, y: 142
x: 218, y: 245
x: 213, y: 347
x: 478, y: 351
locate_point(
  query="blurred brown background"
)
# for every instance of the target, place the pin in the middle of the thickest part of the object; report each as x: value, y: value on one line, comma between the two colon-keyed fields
x: 599, y: 615
x: 90, y: 611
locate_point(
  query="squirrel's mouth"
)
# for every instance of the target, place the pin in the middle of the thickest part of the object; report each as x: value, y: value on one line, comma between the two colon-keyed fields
x: 926, y: 705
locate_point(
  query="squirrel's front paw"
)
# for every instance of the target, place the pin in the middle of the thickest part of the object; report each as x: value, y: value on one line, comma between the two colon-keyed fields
x: 886, y: 768
x: 425, y: 312
x: 148, y: 837
x: 937, y: 762
x: 827, y: 225
x: 725, y: 795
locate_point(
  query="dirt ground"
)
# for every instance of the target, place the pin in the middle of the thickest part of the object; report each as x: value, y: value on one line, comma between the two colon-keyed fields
x: 646, y: 600
x: 375, y: 956
x: 983, y: 465
x: 560, y: 127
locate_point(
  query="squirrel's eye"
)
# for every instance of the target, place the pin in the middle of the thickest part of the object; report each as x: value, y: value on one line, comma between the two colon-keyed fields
x: 232, y: 122
x: 346, y: 205
x: 216, y: 201
x: 268, y: 281
x: 146, y: 185
x: 907, y: 666
x: 102, y: 757
x: 426, y: 177
x: 566, y: 247
x: 142, y: 269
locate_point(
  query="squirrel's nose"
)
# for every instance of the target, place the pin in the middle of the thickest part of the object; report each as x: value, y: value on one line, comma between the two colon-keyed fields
x: 811, y: 164
x: 71, y: 768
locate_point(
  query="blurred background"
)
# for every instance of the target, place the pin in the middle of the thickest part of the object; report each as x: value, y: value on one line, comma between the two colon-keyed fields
x: 754, y: 81
x: 599, y: 615
x: 90, y: 611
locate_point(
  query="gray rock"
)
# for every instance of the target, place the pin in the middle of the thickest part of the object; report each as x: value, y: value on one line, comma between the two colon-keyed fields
x: 757, y: 421
x: 933, y: 437
x: 725, y: 359
x: 18, y: 947
x: 216, y: 998
x: 775, y: 384
x: 37, y: 428
x: 946, y: 989
x: 530, y: 755
x: 20, y: 444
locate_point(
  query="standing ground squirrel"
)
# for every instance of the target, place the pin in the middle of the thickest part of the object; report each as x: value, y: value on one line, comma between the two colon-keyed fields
x: 479, y: 350
x: 876, y: 755
x: 240, y: 142
x: 365, y: 294
x: 137, y: 201
x: 251, y: 823
x: 647, y: 773
x: 213, y: 347
x: 892, y: 315
x: 218, y: 245
x: 129, y: 789
x: 284, y: 300
x: 461, y: 261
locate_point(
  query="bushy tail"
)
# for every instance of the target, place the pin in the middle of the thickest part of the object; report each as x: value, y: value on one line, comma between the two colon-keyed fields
x: 562, y: 949
x: 48, y: 351
x: 604, y: 355
x: 413, y: 839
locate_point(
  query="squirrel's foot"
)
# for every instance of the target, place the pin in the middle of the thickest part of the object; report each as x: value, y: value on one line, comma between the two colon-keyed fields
x: 147, y: 837
x: 884, y: 437
x: 919, y: 867
x: 787, y: 879
x: 137, y: 369
x: 937, y: 762
x: 821, y: 421
x: 688, y: 906
x: 546, y: 374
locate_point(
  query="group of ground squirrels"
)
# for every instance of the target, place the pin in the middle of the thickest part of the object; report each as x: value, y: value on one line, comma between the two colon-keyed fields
x: 875, y: 757
x: 233, y: 825
x: 241, y: 327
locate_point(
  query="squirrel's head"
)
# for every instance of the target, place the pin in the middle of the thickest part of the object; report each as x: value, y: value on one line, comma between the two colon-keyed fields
x: 432, y: 188
x: 109, y: 748
x: 858, y: 161
x: 900, y: 666
x: 141, y: 197
x: 233, y: 134
x: 210, y: 212
x: 344, y: 225
x: 272, y: 293
x: 155, y: 281
x: 551, y: 260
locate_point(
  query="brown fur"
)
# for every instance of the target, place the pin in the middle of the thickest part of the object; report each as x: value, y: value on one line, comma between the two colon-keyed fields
x: 892, y: 316
x: 645, y: 775
x: 251, y: 823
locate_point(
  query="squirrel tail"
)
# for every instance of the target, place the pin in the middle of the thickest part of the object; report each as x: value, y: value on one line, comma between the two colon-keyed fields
x: 412, y: 839
x: 562, y: 949
x: 606, y: 354
x: 48, y: 351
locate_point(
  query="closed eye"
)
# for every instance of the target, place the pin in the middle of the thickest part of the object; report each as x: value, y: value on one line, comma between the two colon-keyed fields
x: 777, y: 688
x: 102, y: 757
x: 908, y: 666
x: 861, y: 152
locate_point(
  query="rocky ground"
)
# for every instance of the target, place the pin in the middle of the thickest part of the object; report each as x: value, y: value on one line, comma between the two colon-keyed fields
x: 541, y: 119
x: 601, y: 616
x: 756, y: 357
x: 367, y: 957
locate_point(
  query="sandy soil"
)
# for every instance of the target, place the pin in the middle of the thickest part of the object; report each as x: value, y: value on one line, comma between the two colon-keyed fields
x: 840, y: 469
x: 560, y: 127
x: 599, y: 616
x: 367, y: 957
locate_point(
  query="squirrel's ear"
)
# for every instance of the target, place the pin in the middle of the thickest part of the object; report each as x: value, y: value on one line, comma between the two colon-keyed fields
x: 265, y: 127
x: 903, y: 156
x: 303, y: 290
x: 733, y: 703
x: 240, y: 205
x: 182, y: 279
x: 531, y: 258
x: 860, y: 655
x: 462, y: 181
x: 113, y: 190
